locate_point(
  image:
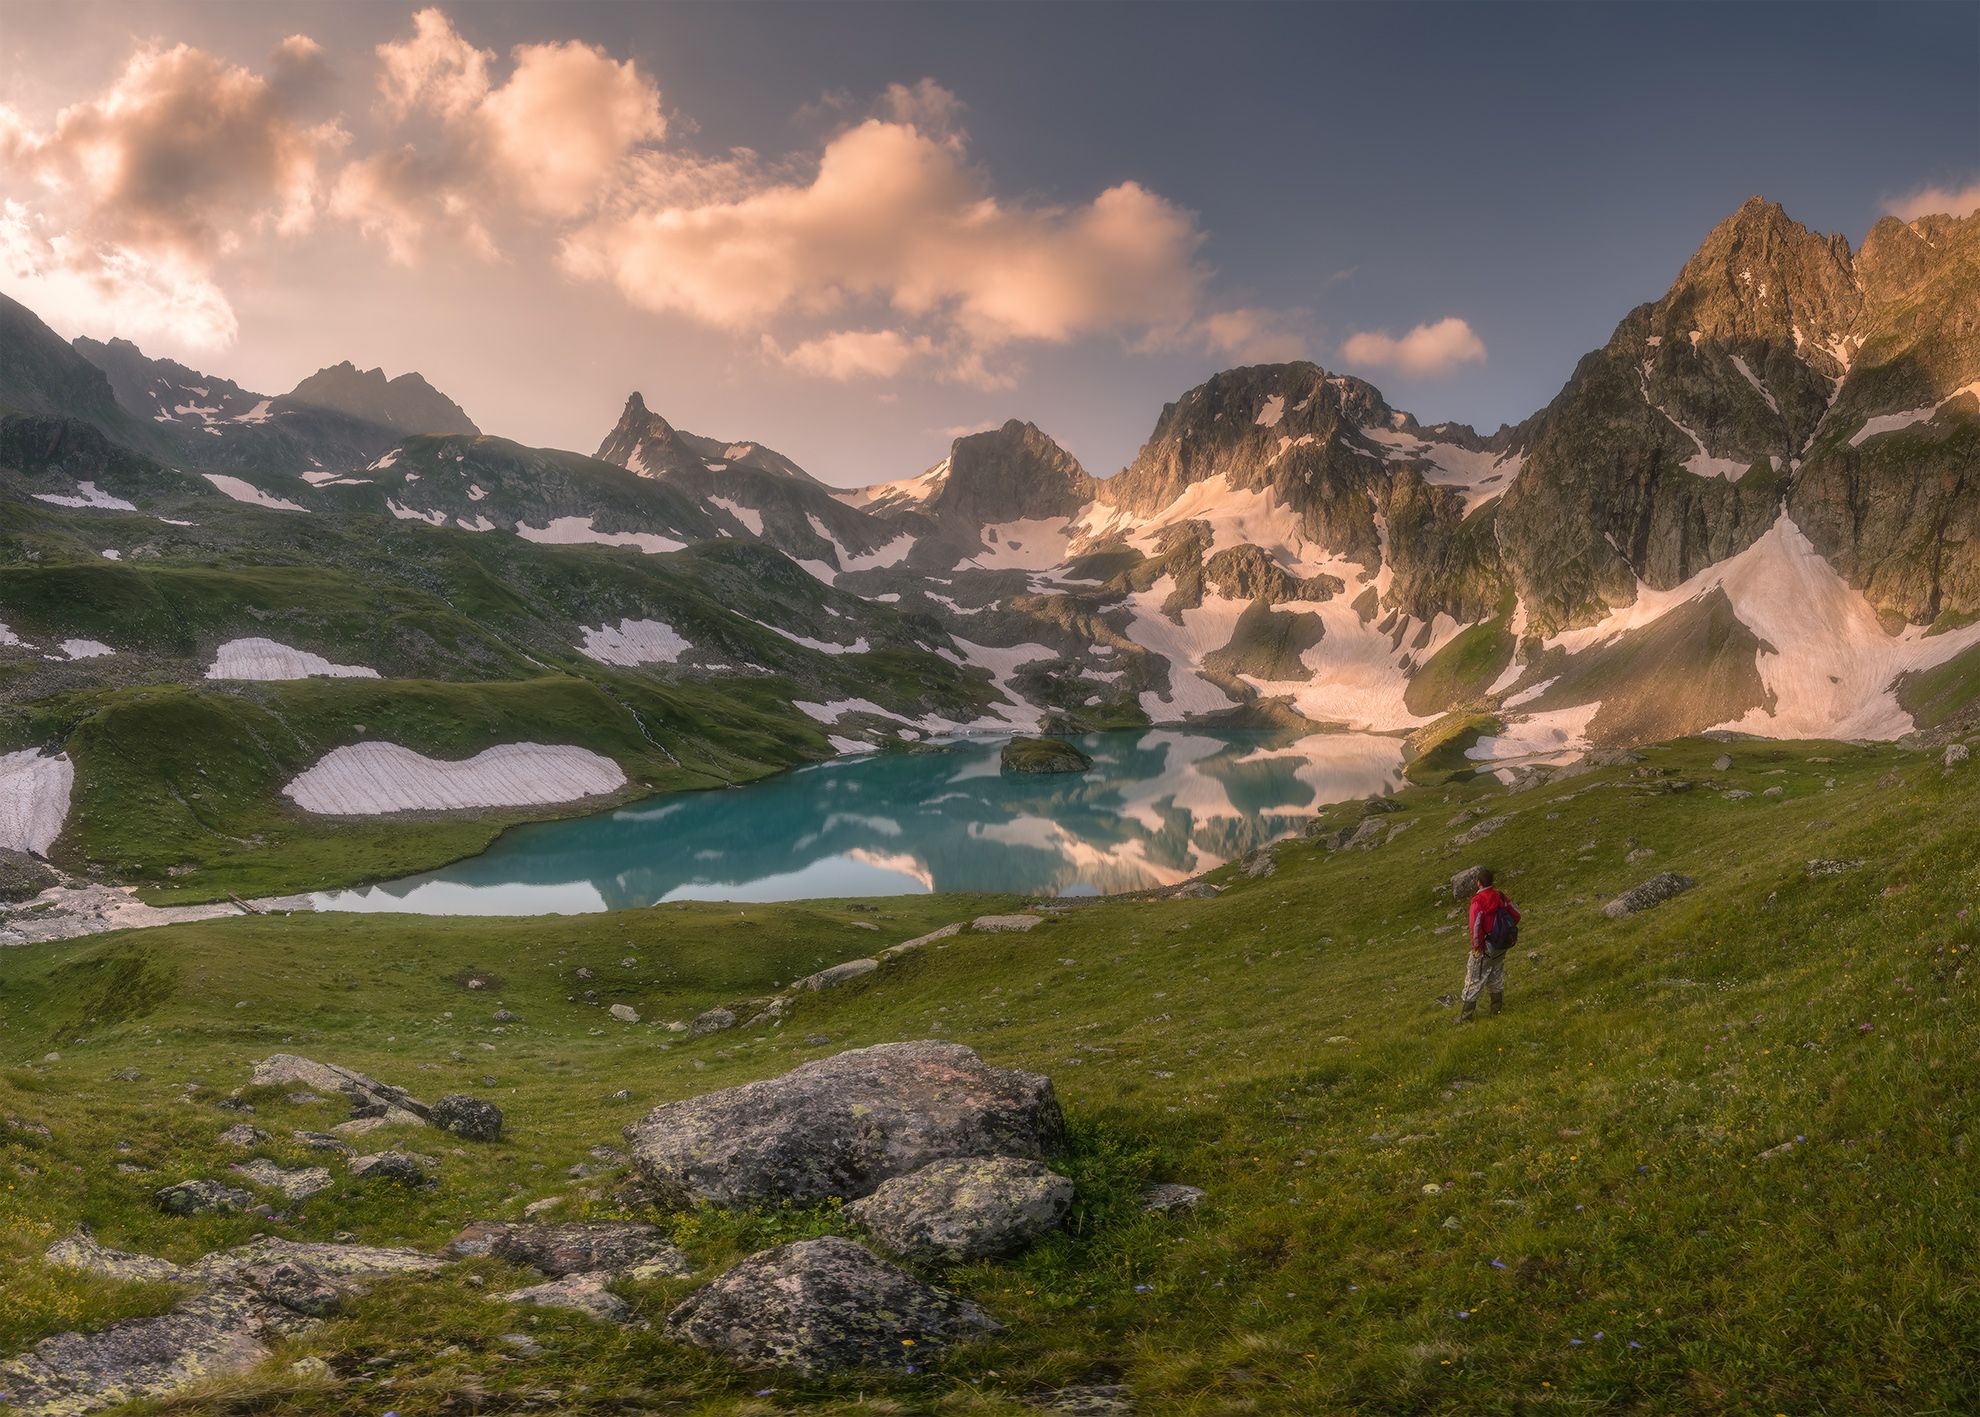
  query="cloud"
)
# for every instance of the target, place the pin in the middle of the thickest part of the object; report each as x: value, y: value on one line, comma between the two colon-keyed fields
x: 107, y: 291
x: 1252, y: 336
x: 552, y: 138
x: 1427, y: 349
x: 186, y: 154
x: 894, y: 217
x: 1952, y: 201
x: 404, y: 201
x: 854, y: 354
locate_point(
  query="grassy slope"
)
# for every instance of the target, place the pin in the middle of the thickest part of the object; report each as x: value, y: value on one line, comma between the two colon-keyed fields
x: 1611, y: 1141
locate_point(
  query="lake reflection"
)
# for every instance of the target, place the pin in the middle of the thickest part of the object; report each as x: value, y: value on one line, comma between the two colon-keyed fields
x: 1157, y: 807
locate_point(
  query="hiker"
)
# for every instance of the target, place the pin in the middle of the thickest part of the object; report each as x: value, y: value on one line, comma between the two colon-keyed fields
x: 1494, y: 931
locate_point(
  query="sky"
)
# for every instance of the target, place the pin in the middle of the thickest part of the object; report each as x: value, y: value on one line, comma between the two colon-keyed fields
x: 852, y: 232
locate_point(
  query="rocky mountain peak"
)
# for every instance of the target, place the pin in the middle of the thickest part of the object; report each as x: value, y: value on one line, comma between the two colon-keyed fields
x: 1761, y: 275
x: 407, y: 404
x: 1012, y: 473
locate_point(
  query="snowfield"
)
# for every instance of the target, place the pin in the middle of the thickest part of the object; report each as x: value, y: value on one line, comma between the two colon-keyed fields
x: 258, y: 659
x: 582, y: 531
x: 88, y: 494
x: 371, y: 779
x: 632, y: 642
x: 242, y: 491
x: 34, y: 799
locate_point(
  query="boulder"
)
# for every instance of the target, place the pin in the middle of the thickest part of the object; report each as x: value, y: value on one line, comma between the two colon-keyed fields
x: 624, y: 1013
x: 572, y: 1247
x: 213, y: 1333
x: 712, y: 1021
x: 1480, y: 831
x: 1005, y: 924
x: 203, y: 1197
x: 584, y: 1293
x: 23, y: 877
x: 840, y: 1126
x: 404, y: 1168
x: 1956, y: 753
x: 1042, y: 755
x: 243, y: 1135
x: 820, y: 1306
x: 1465, y: 884
x: 969, y: 1208
x: 298, y: 1184
x: 368, y: 1096
x: 837, y: 974
x: 1722, y: 763
x: 908, y: 946
x: 325, y: 1257
x: 469, y: 1117
x: 1655, y: 891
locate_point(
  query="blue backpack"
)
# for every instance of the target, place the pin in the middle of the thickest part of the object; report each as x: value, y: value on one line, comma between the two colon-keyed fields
x: 1501, y: 932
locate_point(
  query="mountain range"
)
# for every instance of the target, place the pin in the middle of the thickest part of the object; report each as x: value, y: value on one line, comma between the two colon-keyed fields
x: 1755, y: 508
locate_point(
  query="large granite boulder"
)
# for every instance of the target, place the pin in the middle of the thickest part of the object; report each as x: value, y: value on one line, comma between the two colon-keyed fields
x: 968, y: 1208
x: 558, y: 1248
x: 1652, y: 892
x: 842, y: 1125
x: 818, y: 1306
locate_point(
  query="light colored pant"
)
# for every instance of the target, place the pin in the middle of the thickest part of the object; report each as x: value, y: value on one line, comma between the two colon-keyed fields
x: 1484, y: 973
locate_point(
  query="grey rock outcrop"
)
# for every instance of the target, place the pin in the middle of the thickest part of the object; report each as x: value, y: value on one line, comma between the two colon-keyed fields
x: 23, y: 877
x: 1653, y: 892
x: 403, y: 1168
x: 203, y: 1197
x: 572, y: 1247
x: 298, y: 1184
x: 821, y: 1306
x: 1465, y: 884
x: 1171, y: 1197
x: 583, y: 1293
x: 368, y: 1096
x: 81, y: 1251
x: 1006, y: 924
x: 842, y: 1125
x: 965, y: 1209
x: 836, y: 975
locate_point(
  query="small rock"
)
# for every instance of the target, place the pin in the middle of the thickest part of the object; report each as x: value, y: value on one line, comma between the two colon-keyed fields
x: 504, y: 1016
x: 471, y: 1117
x: 905, y: 946
x: 323, y: 1141
x: 521, y: 1343
x: 1480, y: 831
x: 862, y: 925
x: 243, y: 1135
x: 820, y: 1306
x: 584, y: 1293
x: 573, y: 1247
x: 1956, y: 753
x: 403, y: 1168
x: 965, y: 1209
x: 1641, y: 853
x: 1654, y: 891
x: 1171, y: 1198
x: 299, y: 1184
x: 624, y: 1013
x: 1824, y: 867
x: 1722, y: 763
x: 203, y: 1197
x: 1086, y: 1400
x: 713, y: 1021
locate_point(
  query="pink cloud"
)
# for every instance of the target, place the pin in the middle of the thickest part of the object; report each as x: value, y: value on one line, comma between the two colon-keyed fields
x: 1951, y: 201
x: 1427, y: 349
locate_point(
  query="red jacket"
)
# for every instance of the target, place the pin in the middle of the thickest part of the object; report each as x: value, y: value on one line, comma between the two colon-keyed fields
x: 1482, y: 906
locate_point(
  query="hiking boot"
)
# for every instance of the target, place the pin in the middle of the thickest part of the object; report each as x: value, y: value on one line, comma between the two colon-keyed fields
x: 1469, y: 1008
x: 1498, y: 1003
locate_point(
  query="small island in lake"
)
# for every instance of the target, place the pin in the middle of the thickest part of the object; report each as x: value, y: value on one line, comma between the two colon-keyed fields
x: 1043, y: 755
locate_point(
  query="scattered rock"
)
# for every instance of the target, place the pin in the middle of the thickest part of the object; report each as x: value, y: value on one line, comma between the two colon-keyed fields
x: 1259, y: 864
x: 299, y: 1184
x: 584, y: 1293
x: 1171, y: 1198
x: 713, y: 1021
x: 1086, y: 1400
x: 323, y: 1141
x: 1737, y: 794
x: 344, y: 1261
x: 391, y: 1117
x: 203, y: 1197
x: 1722, y: 763
x: 837, y: 974
x: 1956, y: 753
x: 1480, y: 831
x: 1042, y: 755
x: 403, y: 1168
x: 244, y: 1135
x: 819, y: 1306
x: 469, y: 1117
x: 1821, y: 867
x: 840, y: 1126
x: 573, y: 1247
x: 1654, y: 891
x: 1000, y: 924
x: 624, y: 1013
x: 965, y: 1209
x: 504, y: 1016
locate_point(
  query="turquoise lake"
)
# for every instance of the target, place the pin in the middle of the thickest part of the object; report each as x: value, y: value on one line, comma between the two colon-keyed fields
x: 1157, y: 807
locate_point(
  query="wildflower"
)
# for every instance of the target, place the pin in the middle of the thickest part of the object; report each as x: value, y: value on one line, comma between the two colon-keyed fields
x: 1600, y: 1336
x: 1464, y: 1313
x: 1575, y: 1341
x: 1634, y: 1344
x: 1498, y: 1264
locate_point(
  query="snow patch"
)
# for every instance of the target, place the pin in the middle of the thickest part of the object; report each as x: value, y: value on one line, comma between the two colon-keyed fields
x: 1881, y: 424
x: 34, y: 799
x: 88, y: 494
x: 369, y: 779
x: 632, y: 642
x: 580, y: 531
x: 86, y: 649
x: 242, y: 491
x: 1272, y: 412
x: 436, y: 517
x: 272, y: 660
x: 748, y: 516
